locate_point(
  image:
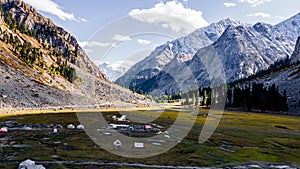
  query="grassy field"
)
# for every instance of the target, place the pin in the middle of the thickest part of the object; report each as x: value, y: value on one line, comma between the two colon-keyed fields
x: 240, y: 138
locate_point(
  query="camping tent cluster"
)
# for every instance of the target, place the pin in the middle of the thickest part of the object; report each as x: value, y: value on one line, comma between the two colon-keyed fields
x: 70, y: 126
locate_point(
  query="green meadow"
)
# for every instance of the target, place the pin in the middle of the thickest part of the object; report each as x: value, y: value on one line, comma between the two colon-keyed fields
x: 240, y: 138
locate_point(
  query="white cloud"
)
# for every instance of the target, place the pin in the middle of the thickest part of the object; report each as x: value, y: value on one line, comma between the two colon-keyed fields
x: 254, y: 3
x: 82, y: 43
x: 164, y: 13
x: 260, y: 14
x: 89, y: 51
x: 85, y: 44
x: 119, y: 37
x: 48, y: 6
x: 83, y: 20
x: 229, y: 4
x: 143, y: 42
x: 90, y: 44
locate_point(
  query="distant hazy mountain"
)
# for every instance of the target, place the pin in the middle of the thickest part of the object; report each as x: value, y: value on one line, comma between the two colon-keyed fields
x: 180, y: 50
x: 242, y: 50
x: 113, y: 71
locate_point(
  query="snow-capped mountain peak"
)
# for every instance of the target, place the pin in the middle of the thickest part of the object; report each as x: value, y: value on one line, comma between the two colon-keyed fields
x: 113, y: 70
x: 243, y: 50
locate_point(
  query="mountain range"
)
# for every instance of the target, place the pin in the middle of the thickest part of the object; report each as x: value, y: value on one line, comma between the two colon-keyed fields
x: 179, y: 50
x: 237, y: 51
x: 242, y: 49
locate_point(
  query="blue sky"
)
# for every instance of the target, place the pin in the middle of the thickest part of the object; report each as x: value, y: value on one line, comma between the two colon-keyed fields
x: 84, y: 18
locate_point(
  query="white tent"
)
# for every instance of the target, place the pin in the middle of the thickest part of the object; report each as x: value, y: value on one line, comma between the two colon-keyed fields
x: 80, y: 127
x: 71, y: 126
x: 3, y: 130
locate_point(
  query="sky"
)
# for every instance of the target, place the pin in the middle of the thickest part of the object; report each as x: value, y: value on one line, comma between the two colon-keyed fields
x: 107, y: 29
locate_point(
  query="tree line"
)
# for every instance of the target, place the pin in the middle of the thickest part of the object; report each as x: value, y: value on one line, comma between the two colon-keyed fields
x: 254, y: 96
x: 257, y: 96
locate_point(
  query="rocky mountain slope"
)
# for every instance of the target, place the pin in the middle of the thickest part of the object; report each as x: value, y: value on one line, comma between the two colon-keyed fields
x: 48, y: 34
x: 179, y: 51
x: 42, y: 65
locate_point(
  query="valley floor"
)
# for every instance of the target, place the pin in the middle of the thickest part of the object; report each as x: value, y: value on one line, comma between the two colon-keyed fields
x: 241, y: 139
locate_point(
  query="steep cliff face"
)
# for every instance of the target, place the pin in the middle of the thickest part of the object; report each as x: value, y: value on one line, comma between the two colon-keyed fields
x: 42, y: 65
